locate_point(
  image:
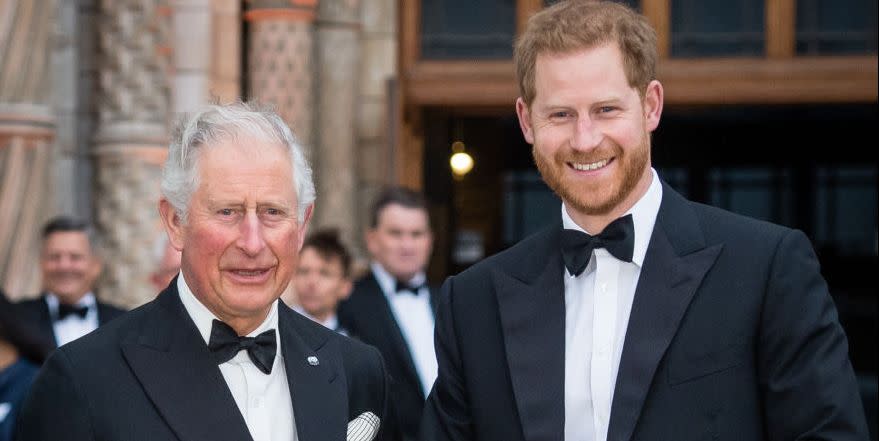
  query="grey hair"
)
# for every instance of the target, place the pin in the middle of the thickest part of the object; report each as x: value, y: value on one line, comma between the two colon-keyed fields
x: 213, y: 124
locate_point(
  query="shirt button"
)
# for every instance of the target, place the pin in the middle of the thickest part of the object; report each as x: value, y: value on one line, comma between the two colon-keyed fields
x: 257, y: 403
x: 604, y: 287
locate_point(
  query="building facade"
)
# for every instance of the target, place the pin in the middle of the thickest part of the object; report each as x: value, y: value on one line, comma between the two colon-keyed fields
x: 90, y: 89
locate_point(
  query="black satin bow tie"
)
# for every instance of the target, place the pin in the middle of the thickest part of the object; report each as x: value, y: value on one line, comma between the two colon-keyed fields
x: 65, y: 311
x: 401, y: 287
x: 225, y: 343
x: 618, y: 239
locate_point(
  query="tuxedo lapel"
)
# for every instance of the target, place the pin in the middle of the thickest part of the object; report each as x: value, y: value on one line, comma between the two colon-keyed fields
x: 173, y: 364
x: 45, y: 325
x: 391, y: 331
x: 530, y: 292
x: 317, y: 387
x: 676, y: 262
x: 107, y: 313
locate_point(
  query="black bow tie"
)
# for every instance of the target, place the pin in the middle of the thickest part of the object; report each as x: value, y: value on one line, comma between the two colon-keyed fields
x: 618, y: 239
x: 225, y: 343
x: 401, y: 287
x: 65, y: 311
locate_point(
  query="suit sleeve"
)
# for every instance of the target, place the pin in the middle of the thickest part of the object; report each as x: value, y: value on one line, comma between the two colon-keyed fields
x: 389, y: 429
x: 55, y: 408
x: 447, y: 410
x: 809, y: 387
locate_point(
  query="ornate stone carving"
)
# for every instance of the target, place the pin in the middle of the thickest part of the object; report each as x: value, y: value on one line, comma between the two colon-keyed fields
x: 280, y: 65
x: 130, y: 143
x: 134, y: 61
x: 128, y: 223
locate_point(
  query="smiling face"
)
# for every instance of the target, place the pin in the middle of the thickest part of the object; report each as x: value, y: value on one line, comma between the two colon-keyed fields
x: 590, y: 132
x: 241, y: 238
x: 68, y: 265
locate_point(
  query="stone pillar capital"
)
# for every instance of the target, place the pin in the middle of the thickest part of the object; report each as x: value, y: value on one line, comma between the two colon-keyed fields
x: 26, y: 120
x: 280, y: 10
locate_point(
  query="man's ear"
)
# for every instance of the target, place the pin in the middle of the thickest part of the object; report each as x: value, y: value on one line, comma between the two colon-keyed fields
x: 345, y: 289
x: 95, y: 268
x: 172, y: 223
x: 369, y: 238
x: 524, y: 114
x: 303, y: 226
x: 653, y: 102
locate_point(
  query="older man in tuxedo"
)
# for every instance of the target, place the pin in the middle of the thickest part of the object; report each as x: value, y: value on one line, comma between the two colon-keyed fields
x: 216, y: 356
x: 638, y: 315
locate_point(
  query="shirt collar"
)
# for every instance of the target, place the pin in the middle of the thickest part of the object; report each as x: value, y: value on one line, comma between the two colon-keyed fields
x: 643, y: 213
x: 204, y: 318
x: 388, y: 283
x: 88, y: 300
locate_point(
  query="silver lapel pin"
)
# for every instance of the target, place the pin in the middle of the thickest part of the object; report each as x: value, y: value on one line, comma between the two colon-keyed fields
x: 312, y: 360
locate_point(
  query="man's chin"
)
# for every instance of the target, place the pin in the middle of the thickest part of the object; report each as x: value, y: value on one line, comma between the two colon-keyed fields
x: 68, y: 295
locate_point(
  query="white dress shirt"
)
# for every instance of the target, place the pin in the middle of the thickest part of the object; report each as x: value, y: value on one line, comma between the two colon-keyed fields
x: 415, y: 319
x: 597, y: 307
x: 73, y: 326
x: 263, y: 399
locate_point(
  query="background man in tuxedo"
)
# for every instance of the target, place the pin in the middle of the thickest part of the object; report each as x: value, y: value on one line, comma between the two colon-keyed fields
x: 675, y: 321
x: 70, y: 265
x: 216, y: 356
x: 392, y: 306
x: 323, y: 278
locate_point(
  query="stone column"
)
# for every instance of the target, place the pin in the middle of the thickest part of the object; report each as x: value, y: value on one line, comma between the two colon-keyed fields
x: 207, y: 53
x: 27, y: 128
x: 226, y: 36
x: 338, y: 64
x: 131, y: 142
x: 280, y: 69
x: 191, y: 25
x: 378, y: 66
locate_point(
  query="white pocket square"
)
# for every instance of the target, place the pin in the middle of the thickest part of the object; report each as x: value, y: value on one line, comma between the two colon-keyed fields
x: 364, y: 427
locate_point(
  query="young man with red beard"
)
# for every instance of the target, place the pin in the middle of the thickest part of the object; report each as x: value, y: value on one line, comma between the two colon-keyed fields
x: 638, y: 315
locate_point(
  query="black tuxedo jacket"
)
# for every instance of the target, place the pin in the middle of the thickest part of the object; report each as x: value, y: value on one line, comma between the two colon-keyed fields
x: 732, y: 336
x: 367, y: 315
x: 34, y: 313
x: 149, y: 376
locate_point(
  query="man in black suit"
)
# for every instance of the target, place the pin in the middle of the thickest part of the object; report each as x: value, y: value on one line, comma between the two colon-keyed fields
x: 638, y: 315
x: 70, y: 265
x: 392, y: 306
x: 216, y: 356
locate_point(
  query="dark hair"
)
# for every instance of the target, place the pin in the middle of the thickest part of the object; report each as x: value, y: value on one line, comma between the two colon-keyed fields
x: 66, y: 224
x: 396, y: 196
x: 329, y: 246
x: 62, y: 224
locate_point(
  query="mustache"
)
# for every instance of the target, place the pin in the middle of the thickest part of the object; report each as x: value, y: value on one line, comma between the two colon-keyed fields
x: 564, y: 155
